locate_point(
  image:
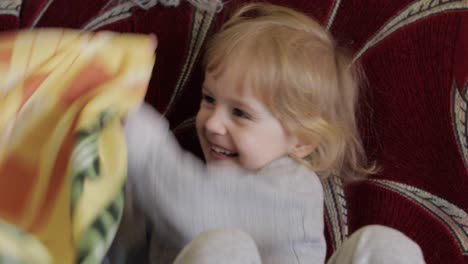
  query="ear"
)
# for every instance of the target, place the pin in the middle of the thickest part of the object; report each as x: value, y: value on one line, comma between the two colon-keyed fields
x: 302, y: 149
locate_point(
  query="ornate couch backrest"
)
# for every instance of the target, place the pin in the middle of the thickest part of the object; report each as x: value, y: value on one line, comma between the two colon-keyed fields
x: 413, y: 112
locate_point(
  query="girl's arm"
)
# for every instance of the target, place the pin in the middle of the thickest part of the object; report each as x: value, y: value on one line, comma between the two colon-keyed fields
x: 281, y: 206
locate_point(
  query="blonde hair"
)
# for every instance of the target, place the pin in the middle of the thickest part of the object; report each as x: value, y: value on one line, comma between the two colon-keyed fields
x: 312, y: 84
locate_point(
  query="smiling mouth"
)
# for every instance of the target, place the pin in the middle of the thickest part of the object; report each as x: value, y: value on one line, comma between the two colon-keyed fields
x: 222, y: 152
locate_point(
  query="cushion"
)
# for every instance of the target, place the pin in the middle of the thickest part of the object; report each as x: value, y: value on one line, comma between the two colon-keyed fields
x: 63, y: 161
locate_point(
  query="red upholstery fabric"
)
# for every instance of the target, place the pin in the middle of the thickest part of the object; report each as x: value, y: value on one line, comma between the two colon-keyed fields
x: 413, y: 112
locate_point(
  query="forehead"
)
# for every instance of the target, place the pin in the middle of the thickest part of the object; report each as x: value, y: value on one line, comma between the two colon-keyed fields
x: 236, y: 76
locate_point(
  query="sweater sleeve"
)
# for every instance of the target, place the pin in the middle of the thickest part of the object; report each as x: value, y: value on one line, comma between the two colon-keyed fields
x: 281, y: 206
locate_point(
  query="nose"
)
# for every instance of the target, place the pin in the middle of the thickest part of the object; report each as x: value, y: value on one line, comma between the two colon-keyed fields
x: 215, y: 123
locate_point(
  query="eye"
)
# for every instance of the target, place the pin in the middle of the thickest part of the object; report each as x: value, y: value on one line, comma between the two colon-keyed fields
x: 239, y: 113
x: 208, y: 99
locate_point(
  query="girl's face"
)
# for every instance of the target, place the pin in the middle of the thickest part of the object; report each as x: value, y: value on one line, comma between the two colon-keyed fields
x: 234, y: 126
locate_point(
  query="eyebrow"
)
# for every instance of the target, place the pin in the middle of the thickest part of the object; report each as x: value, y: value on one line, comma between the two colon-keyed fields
x: 206, y: 89
x: 246, y: 107
x: 237, y: 103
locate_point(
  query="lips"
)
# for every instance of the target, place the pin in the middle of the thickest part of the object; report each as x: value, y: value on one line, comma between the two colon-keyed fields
x: 220, y: 153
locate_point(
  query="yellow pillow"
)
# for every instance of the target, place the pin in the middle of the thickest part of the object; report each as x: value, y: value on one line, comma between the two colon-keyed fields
x: 63, y: 161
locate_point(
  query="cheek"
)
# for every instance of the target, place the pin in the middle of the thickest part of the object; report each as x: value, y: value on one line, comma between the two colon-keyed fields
x: 246, y: 141
x: 199, y: 121
x: 273, y: 143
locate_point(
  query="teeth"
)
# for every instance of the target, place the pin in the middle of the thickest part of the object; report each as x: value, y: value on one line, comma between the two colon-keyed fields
x: 221, y: 150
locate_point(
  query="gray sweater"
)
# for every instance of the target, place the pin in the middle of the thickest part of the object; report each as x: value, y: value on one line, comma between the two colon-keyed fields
x: 280, y: 206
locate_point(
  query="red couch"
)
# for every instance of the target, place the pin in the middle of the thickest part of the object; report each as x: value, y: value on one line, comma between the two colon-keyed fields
x: 413, y: 113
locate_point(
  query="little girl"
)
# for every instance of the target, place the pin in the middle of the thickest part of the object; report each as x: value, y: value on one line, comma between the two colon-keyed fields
x: 277, y: 114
